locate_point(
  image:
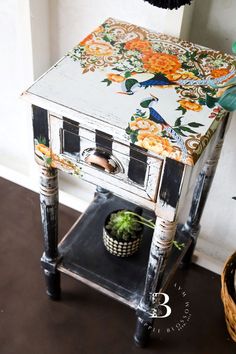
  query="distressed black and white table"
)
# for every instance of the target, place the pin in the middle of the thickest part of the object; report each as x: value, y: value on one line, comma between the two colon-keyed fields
x: 132, y: 112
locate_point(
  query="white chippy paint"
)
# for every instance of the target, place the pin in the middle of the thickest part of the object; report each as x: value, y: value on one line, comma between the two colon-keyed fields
x: 118, y: 187
x: 153, y: 176
x: 121, y: 151
x: 164, y: 233
x: 97, y: 287
x: 55, y: 126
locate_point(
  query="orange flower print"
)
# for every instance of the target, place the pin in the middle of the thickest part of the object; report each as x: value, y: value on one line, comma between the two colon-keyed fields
x: 43, y: 149
x: 145, y: 125
x: 181, y: 75
x: 190, y: 105
x: 115, y: 77
x: 161, y: 63
x: 155, y: 143
x: 56, y: 161
x: 98, y: 48
x: 138, y: 44
x: 86, y: 39
x: 176, y: 154
x: 219, y: 72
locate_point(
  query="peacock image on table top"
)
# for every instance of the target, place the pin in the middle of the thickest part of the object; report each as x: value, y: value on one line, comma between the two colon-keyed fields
x: 160, y: 90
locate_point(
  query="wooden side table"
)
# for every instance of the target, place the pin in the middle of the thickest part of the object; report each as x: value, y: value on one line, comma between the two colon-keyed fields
x: 128, y: 110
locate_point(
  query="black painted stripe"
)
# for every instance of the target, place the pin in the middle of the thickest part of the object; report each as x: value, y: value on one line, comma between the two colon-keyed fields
x: 171, y: 182
x: 137, y: 164
x: 103, y: 140
x: 70, y: 125
x: 40, y: 125
x: 71, y: 138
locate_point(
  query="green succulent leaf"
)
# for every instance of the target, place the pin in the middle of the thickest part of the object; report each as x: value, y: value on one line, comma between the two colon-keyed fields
x: 234, y: 47
x: 178, y: 245
x: 228, y: 99
x: 211, y: 101
x: 123, y: 225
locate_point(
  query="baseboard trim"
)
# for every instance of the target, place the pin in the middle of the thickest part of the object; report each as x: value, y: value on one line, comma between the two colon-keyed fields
x: 207, y: 262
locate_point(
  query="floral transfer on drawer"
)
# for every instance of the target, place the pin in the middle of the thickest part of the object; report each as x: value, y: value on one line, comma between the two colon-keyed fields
x: 162, y: 71
x: 46, y: 157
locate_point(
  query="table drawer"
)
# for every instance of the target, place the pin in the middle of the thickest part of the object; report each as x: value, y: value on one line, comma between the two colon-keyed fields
x: 103, y: 160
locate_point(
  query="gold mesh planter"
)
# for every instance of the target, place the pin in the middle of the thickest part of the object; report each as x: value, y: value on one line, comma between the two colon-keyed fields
x: 120, y: 248
x: 228, y: 295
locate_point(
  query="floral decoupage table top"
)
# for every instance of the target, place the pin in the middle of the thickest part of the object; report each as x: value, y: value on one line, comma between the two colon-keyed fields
x: 156, y: 88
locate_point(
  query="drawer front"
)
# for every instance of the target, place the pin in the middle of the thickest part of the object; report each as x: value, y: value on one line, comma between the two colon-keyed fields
x: 103, y: 161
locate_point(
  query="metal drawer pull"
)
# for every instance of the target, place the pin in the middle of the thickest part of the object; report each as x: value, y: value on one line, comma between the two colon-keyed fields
x: 102, y: 160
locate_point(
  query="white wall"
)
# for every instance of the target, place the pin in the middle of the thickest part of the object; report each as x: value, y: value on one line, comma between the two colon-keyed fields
x: 16, y: 73
x: 73, y: 20
x: 37, y: 33
x: 213, y: 24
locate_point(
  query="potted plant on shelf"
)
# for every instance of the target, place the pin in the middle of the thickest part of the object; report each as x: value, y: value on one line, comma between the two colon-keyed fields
x: 122, y: 232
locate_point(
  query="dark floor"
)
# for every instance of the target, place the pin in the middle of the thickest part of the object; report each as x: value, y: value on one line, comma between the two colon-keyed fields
x: 85, y: 321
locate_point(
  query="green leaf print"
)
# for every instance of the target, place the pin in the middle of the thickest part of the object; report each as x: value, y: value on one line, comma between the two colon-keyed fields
x: 178, y: 122
x: 195, y: 125
x: 188, y: 130
x: 108, y: 82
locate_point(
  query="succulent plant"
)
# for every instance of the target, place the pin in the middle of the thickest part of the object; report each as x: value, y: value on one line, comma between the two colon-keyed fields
x: 124, y: 225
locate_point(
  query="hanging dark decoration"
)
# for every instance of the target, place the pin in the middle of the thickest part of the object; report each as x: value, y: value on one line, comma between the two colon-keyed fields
x: 169, y: 4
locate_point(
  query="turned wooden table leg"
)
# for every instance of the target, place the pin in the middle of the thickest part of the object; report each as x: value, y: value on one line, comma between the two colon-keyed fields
x: 163, y: 236
x: 101, y: 191
x: 49, y: 214
x: 160, y: 248
x: 201, y: 191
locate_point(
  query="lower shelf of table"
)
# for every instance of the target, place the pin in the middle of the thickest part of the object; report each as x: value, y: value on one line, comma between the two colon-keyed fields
x: 84, y: 257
